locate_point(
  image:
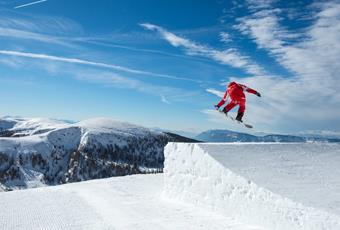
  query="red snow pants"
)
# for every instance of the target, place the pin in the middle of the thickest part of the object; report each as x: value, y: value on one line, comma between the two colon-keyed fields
x: 241, y: 102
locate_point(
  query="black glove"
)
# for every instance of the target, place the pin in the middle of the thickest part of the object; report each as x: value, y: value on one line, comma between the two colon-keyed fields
x: 258, y: 94
x: 216, y: 107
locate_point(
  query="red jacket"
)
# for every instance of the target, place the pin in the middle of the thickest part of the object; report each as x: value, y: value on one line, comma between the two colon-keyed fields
x: 236, y: 91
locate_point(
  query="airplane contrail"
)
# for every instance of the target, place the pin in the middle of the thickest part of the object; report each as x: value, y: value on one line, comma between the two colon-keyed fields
x: 91, y: 63
x: 29, y: 4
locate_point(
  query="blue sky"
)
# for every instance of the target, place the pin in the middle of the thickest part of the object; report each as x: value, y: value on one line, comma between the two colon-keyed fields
x: 165, y: 63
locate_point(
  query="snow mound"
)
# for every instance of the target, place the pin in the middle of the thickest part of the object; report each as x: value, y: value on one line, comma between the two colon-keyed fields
x: 276, y: 186
x: 109, y: 125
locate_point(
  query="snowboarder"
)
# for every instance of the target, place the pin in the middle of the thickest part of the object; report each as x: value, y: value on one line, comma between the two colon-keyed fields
x: 236, y: 93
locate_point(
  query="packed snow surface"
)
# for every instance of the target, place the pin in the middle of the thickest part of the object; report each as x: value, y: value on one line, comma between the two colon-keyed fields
x: 306, y: 172
x: 119, y: 203
x: 235, y: 186
x: 278, y: 186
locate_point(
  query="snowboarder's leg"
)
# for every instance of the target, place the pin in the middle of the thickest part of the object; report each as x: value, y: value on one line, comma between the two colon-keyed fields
x: 241, y: 109
x: 220, y: 103
x: 231, y: 105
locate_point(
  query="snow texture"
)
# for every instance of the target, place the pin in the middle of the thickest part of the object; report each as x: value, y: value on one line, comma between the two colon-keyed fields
x: 277, y: 186
x: 119, y: 203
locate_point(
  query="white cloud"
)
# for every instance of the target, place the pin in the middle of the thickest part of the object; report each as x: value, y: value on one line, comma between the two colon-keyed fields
x: 91, y: 63
x: 29, y: 4
x: 21, y: 34
x: 225, y: 37
x: 40, y: 24
x: 108, y: 43
x: 216, y: 92
x: 103, y: 77
x: 259, y: 4
x: 164, y: 99
x: 54, y: 30
x: 66, y: 32
x: 55, y: 67
x: 229, y: 57
x: 316, y: 51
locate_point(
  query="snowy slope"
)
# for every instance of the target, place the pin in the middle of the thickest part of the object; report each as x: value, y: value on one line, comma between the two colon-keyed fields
x: 277, y: 186
x: 120, y: 203
x: 38, y: 151
x: 246, y: 186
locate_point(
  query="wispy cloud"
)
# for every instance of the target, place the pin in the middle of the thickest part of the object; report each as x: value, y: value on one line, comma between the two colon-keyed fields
x: 229, y: 57
x: 66, y: 32
x: 103, y: 77
x: 42, y: 29
x: 215, y: 92
x: 94, y: 64
x: 107, y: 42
x: 164, y: 99
x: 40, y: 24
x: 225, y: 37
x: 259, y: 4
x: 311, y: 55
x: 20, y: 34
x: 29, y: 4
x: 116, y: 80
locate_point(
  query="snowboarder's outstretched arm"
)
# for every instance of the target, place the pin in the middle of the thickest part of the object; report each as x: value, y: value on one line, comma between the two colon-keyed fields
x: 250, y: 90
x: 223, y: 100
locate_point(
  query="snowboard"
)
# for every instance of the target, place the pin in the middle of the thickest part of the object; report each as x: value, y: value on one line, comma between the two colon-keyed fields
x: 233, y: 119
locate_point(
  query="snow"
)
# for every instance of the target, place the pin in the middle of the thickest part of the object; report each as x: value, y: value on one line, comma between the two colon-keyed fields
x: 113, y: 126
x: 32, y: 126
x: 120, y: 203
x: 235, y: 186
x: 307, y: 171
x: 277, y: 186
x: 109, y: 131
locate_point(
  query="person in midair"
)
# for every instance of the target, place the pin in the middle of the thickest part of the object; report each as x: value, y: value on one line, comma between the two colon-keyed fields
x: 236, y: 93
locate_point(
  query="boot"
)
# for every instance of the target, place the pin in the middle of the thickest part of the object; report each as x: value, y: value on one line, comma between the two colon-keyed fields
x: 225, y: 111
x: 239, y: 117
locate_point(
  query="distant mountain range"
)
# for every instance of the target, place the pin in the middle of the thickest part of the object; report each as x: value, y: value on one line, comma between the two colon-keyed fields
x: 231, y: 136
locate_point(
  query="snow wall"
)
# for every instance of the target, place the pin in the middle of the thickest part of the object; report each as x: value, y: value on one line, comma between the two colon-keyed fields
x: 196, y: 173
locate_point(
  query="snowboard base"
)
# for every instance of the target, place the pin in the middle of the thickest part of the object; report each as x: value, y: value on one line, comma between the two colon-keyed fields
x: 233, y: 119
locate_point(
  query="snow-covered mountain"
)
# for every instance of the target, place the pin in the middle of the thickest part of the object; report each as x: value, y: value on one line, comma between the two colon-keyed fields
x: 231, y: 136
x: 40, y: 151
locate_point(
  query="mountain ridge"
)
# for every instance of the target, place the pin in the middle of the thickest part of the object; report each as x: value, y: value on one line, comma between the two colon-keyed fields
x: 224, y: 135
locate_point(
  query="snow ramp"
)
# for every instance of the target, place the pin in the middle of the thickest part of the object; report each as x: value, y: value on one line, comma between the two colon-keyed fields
x: 279, y: 186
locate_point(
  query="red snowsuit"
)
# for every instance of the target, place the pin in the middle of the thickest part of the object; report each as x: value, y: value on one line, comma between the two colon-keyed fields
x: 236, y: 93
